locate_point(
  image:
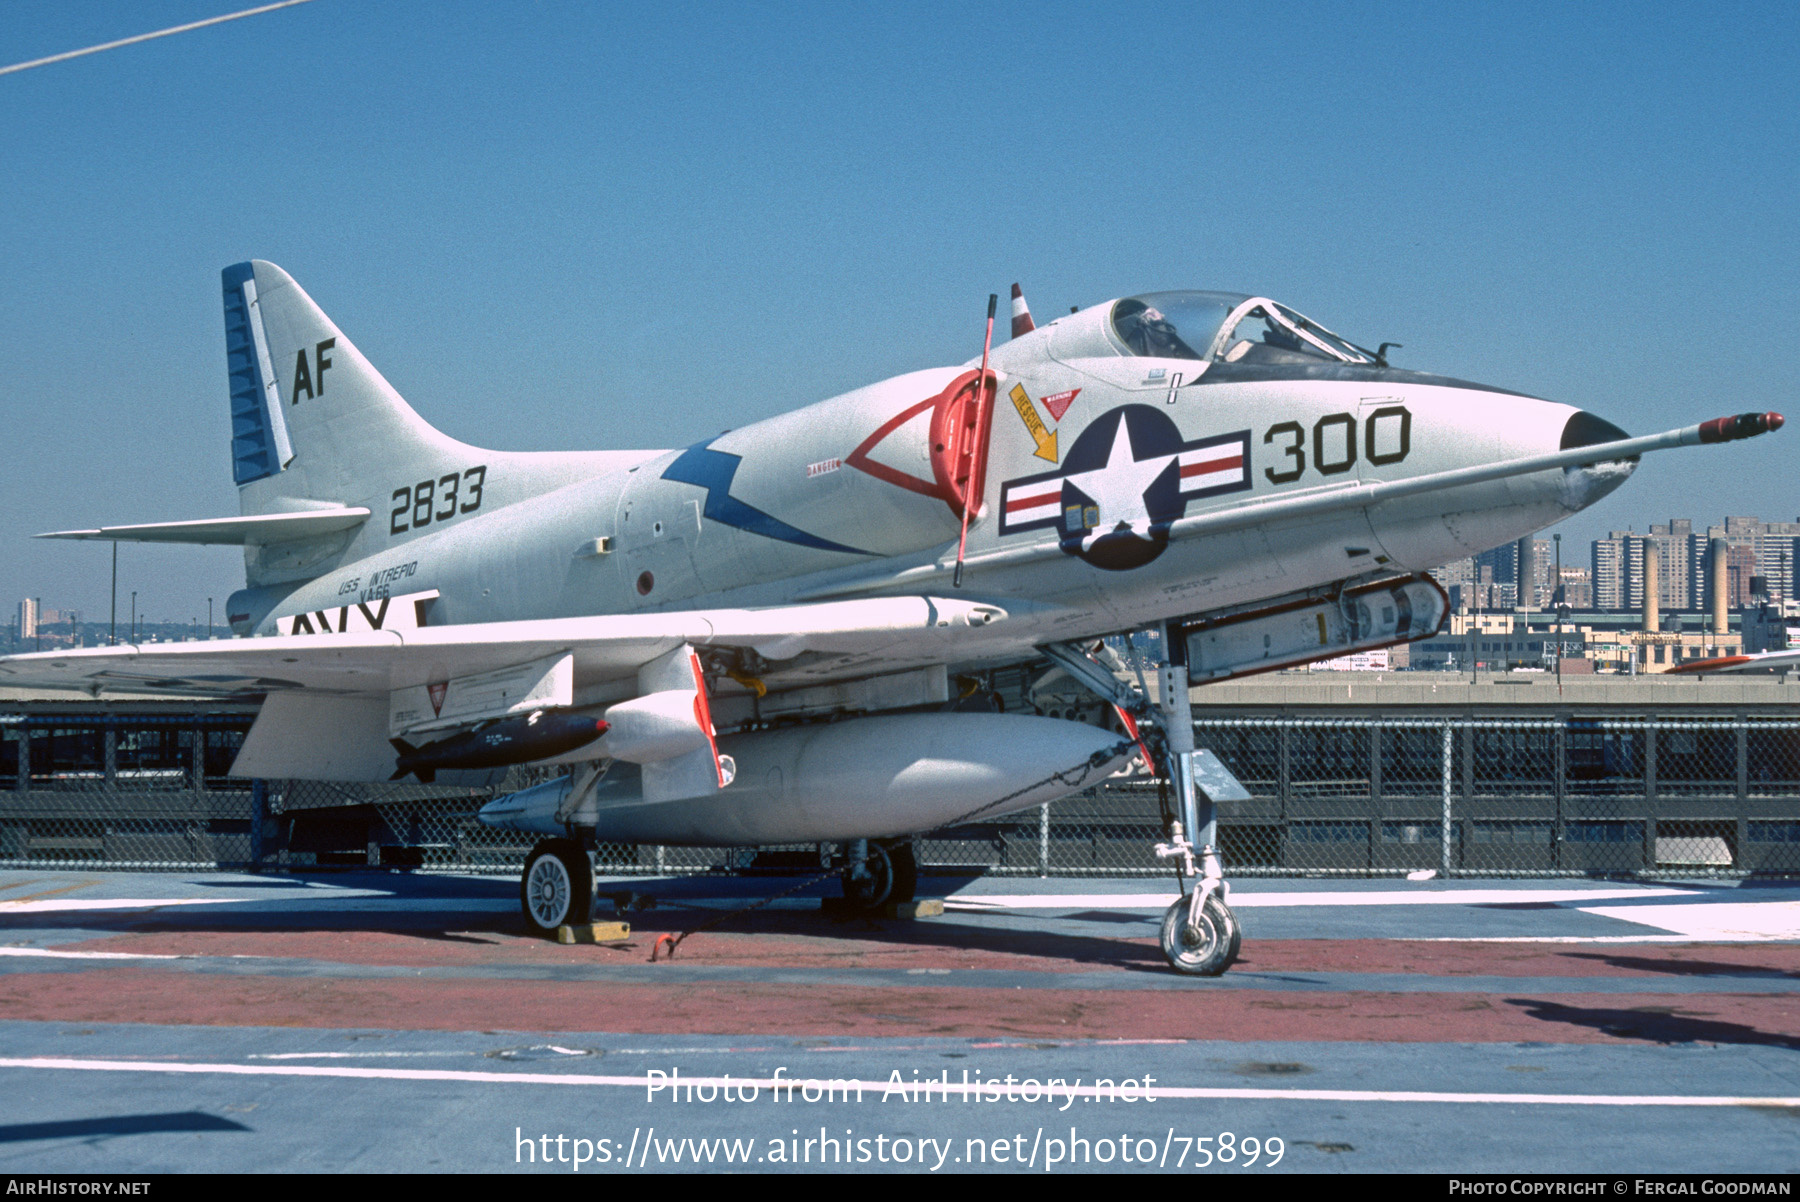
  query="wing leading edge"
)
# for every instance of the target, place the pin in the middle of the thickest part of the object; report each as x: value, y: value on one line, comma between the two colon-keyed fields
x: 605, y: 648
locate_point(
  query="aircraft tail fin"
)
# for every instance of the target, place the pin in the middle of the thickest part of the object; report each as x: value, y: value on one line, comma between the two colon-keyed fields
x: 312, y: 421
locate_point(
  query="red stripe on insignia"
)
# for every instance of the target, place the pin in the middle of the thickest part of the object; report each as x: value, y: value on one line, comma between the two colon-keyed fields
x: 1018, y: 503
x: 1235, y: 463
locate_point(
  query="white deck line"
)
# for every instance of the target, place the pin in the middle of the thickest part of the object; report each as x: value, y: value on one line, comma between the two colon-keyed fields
x: 53, y: 954
x: 1715, y: 921
x: 591, y: 1080
x: 107, y: 903
x: 1243, y: 899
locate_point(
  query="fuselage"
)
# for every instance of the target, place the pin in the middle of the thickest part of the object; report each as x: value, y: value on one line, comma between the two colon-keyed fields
x: 1097, y: 453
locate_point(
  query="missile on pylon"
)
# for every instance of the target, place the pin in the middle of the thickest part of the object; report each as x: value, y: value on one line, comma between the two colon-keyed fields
x: 534, y: 736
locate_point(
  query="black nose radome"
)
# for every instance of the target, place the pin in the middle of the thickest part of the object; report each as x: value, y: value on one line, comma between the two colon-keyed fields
x: 1585, y: 430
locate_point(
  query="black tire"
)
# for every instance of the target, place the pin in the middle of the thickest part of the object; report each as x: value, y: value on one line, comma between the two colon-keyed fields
x: 557, y: 886
x: 868, y: 892
x: 1210, y: 950
x: 906, y: 870
x: 875, y: 889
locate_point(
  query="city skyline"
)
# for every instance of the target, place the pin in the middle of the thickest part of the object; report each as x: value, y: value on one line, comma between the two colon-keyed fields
x: 1615, y: 569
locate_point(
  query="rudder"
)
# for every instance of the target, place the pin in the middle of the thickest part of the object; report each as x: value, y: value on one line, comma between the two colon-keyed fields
x: 311, y: 419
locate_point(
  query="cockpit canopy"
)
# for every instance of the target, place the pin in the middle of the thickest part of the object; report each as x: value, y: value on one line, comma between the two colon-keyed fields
x: 1227, y: 327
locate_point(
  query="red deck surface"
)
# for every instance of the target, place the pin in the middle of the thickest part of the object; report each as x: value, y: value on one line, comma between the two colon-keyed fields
x: 682, y: 1001
x: 931, y: 946
x: 686, y: 1006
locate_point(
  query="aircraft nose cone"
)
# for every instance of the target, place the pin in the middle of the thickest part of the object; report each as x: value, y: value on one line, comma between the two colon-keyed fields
x: 1585, y: 430
x: 1582, y: 486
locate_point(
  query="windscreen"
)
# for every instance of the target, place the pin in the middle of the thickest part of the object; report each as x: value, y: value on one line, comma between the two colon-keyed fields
x: 1226, y: 326
x: 1172, y: 325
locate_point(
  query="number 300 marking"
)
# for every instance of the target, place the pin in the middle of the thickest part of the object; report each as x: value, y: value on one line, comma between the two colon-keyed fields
x: 1386, y: 438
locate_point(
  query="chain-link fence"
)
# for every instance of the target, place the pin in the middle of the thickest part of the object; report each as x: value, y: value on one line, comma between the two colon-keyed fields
x: 1511, y: 797
x: 1354, y: 796
x: 118, y: 791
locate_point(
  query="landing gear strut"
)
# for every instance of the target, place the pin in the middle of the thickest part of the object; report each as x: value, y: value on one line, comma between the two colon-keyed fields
x: 1200, y: 934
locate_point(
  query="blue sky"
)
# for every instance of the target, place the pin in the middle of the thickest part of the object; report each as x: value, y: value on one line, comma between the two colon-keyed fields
x: 602, y: 225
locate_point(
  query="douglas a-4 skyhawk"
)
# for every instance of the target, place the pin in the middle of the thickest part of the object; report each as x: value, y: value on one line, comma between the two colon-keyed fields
x: 766, y: 637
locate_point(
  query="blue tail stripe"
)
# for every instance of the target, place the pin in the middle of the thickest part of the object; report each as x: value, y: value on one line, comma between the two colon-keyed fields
x: 254, y: 450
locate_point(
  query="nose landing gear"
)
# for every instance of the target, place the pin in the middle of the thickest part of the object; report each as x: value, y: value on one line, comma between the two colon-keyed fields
x: 1200, y: 934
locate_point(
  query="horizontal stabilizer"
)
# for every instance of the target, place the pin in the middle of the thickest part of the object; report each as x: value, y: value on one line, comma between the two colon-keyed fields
x: 233, y: 532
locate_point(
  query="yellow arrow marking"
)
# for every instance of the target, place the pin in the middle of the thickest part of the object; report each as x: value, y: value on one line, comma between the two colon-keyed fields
x: 1045, y: 439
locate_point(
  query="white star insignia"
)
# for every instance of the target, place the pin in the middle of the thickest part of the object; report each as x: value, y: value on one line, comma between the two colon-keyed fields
x: 1119, y: 486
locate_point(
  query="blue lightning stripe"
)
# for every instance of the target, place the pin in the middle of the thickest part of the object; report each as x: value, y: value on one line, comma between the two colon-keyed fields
x: 712, y: 470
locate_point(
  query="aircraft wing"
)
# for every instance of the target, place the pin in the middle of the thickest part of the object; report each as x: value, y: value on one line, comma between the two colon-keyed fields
x: 603, y: 648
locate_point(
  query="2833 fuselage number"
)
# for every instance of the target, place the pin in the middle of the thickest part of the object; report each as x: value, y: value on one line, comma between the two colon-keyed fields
x: 436, y: 500
x: 1386, y: 438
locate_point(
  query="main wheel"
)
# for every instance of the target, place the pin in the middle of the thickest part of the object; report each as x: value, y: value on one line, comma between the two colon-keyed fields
x: 558, y: 886
x: 867, y: 890
x: 893, y: 876
x: 1209, y: 949
x: 906, y: 870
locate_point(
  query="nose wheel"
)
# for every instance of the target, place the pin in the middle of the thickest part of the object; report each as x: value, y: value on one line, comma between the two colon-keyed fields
x: 1202, y: 944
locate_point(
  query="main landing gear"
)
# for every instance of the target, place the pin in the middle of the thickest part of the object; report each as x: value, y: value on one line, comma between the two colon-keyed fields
x: 878, y: 873
x: 558, y: 886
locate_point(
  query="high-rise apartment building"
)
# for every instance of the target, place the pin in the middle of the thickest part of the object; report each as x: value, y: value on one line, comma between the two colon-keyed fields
x: 1752, y: 548
x: 1674, y: 544
x: 1612, y: 570
x: 1578, y: 588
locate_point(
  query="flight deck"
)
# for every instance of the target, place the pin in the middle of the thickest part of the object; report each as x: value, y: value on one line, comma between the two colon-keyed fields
x: 387, y: 1020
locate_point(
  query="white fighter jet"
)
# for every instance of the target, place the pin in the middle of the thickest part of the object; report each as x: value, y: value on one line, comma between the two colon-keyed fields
x: 763, y: 637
